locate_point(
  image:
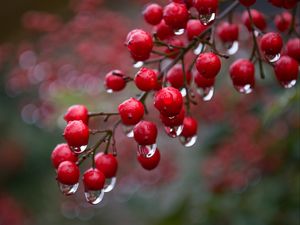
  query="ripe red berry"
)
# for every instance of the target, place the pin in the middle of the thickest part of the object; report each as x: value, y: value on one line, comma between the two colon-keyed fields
x: 206, y: 6
x: 140, y: 44
x: 289, y: 4
x: 283, y: 21
x: 176, y: 15
x: 175, y: 120
x: 286, y: 70
x: 271, y: 43
x: 76, y: 133
x: 228, y: 32
x: 247, y: 3
x: 258, y: 18
x: 107, y: 164
x: 174, y: 47
x: 168, y: 101
x: 242, y: 73
x: 208, y: 64
x: 151, y: 162
x: 146, y: 79
x: 153, y: 14
x: 131, y: 111
x: 163, y: 31
x: 194, y: 28
x: 203, y: 82
x: 61, y: 153
x: 175, y: 76
x: 77, y: 112
x: 292, y: 48
x: 190, y: 126
x: 145, y: 133
x: 114, y: 80
x: 93, y: 179
x: 68, y: 173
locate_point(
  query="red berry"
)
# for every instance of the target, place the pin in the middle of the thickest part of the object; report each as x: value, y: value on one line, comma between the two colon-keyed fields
x: 145, y: 133
x: 140, y: 44
x: 153, y: 14
x: 168, y: 101
x: 68, y: 173
x: 93, y: 179
x: 146, y: 79
x: 171, y: 51
x: 208, y: 64
x: 107, y: 164
x: 76, y: 133
x: 271, y: 43
x: 258, y: 18
x: 247, y: 3
x: 289, y: 4
x: 77, y: 112
x: 194, y: 28
x: 163, y: 31
x: 188, y: 3
x: 175, y: 120
x: 176, y: 78
x: 242, y: 73
x: 286, y: 70
x: 278, y: 3
x: 203, y: 82
x: 190, y: 126
x: 228, y: 32
x: 283, y: 21
x: 292, y: 48
x: 131, y: 111
x: 61, y: 153
x: 114, y: 80
x: 176, y: 15
x: 151, y: 162
x: 206, y: 6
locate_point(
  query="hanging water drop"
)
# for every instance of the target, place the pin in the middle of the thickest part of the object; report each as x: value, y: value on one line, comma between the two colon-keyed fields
x: 128, y: 131
x: 94, y: 197
x: 246, y: 89
x: 109, y: 91
x: 206, y: 93
x: 233, y: 48
x: 189, y: 141
x: 109, y: 184
x: 138, y: 64
x: 288, y: 84
x: 273, y: 58
x: 179, y: 32
x: 79, y: 150
x: 183, y: 92
x: 205, y: 19
x: 173, y: 132
x: 147, y: 150
x: 198, y: 49
x: 68, y: 189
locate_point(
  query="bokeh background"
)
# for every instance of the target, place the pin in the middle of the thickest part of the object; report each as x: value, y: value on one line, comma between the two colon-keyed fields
x: 243, y: 170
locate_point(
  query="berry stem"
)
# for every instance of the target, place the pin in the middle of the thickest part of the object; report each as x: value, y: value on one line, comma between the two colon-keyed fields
x: 293, y: 24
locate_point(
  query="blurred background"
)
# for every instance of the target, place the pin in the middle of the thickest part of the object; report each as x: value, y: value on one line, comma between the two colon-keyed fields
x: 244, y: 168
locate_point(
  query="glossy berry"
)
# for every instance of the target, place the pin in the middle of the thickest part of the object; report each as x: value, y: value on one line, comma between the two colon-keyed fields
x: 168, y: 101
x: 173, y: 121
x: 247, y: 3
x: 174, y: 49
x: 131, y: 111
x: 271, y: 43
x: 288, y: 4
x: 145, y: 133
x: 283, y: 21
x: 68, y: 173
x: 176, y: 15
x: 146, y: 79
x: 258, y: 18
x: 153, y: 14
x: 76, y: 133
x: 61, y: 153
x: 190, y: 126
x: 77, y: 112
x: 151, y: 162
x: 242, y: 73
x: 139, y: 44
x: 286, y: 70
x: 206, y: 6
x: 107, y: 164
x: 163, y: 31
x: 93, y: 179
x: 208, y: 64
x: 194, y: 28
x: 292, y: 48
x: 227, y: 32
x: 175, y: 76
x: 115, y: 80
x: 203, y: 82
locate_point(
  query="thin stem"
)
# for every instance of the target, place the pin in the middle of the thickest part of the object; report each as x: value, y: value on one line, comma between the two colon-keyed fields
x: 187, y: 102
x: 93, y: 114
x: 292, y: 28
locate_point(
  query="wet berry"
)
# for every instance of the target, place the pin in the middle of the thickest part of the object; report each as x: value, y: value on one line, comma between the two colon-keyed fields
x: 145, y: 133
x: 68, y: 173
x: 93, y: 179
x: 131, y: 111
x: 208, y: 64
x: 146, y: 79
x: 61, y: 153
x: 153, y: 14
x: 115, y: 80
x: 151, y: 162
x: 176, y: 15
x: 77, y: 112
x: 76, y: 133
x: 107, y: 164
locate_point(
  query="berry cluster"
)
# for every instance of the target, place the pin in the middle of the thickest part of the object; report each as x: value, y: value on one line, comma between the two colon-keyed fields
x: 179, y: 62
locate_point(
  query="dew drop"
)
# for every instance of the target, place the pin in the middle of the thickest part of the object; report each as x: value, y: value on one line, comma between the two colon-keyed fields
x: 173, y: 132
x: 94, y: 197
x: 183, y: 92
x: 147, y: 150
x: 79, y: 150
x: 138, y: 64
x: 179, y: 32
x: 188, y: 142
x: 273, y: 58
x: 288, y: 84
x: 233, y: 48
x: 198, y: 49
x: 246, y: 89
x: 205, y: 19
x: 68, y: 189
x: 128, y: 131
x: 256, y: 33
x: 206, y: 93
x: 109, y: 184
x: 109, y: 91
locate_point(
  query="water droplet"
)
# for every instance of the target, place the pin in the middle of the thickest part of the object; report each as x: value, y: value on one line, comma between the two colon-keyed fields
x: 256, y: 33
x: 199, y: 49
x: 109, y: 184
x: 288, y: 84
x: 173, y: 132
x: 206, y: 93
x: 94, y: 197
x: 246, y: 89
x: 109, y: 91
x: 138, y: 64
x: 147, y: 150
x: 233, y: 48
x: 205, y: 19
x: 179, y: 32
x: 68, y: 189
x: 128, y: 130
x: 183, y: 92
x: 79, y: 150
x: 273, y: 58
x: 188, y: 142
